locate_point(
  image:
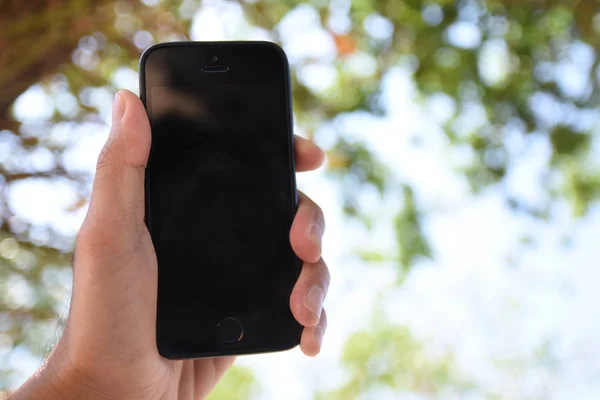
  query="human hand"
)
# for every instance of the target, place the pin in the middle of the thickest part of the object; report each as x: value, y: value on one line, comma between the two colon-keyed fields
x: 108, y: 349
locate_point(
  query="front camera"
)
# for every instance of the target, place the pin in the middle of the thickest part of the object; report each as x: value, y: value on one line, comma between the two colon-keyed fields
x: 215, y: 58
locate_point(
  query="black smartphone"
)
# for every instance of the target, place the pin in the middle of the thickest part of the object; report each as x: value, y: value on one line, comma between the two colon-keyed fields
x: 221, y: 196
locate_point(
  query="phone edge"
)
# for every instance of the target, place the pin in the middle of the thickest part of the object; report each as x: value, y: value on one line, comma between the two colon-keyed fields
x: 147, y: 215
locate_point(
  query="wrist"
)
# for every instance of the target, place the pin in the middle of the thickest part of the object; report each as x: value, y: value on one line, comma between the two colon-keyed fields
x: 55, y: 380
x: 44, y: 384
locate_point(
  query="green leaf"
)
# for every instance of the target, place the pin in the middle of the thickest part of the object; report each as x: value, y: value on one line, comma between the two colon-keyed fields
x: 566, y: 141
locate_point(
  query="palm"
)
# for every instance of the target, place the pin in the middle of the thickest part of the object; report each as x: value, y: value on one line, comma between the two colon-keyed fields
x: 194, y: 379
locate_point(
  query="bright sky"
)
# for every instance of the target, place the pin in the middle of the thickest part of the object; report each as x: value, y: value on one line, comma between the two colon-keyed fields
x: 470, y: 300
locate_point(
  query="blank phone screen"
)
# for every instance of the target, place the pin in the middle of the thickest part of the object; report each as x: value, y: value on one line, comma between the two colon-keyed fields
x: 221, y: 204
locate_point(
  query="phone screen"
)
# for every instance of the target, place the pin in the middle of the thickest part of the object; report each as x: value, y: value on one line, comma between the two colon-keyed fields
x: 221, y: 200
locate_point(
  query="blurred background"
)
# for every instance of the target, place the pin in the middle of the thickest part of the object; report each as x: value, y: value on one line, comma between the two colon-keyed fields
x: 460, y: 190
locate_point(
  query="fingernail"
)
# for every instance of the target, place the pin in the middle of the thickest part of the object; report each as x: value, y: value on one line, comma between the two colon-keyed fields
x: 316, y: 233
x: 118, y: 110
x: 319, y: 336
x: 313, y: 301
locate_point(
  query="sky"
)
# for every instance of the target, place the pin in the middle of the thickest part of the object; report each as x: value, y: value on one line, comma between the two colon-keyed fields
x: 485, y: 298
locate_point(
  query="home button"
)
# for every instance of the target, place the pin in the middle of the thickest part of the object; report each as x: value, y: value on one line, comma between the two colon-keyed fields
x: 230, y: 330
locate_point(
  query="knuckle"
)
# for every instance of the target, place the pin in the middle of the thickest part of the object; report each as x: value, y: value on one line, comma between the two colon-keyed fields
x: 319, y: 215
x: 323, y: 320
x: 105, y: 157
x: 326, y: 275
x: 316, y: 210
x: 101, y: 239
x: 93, y: 239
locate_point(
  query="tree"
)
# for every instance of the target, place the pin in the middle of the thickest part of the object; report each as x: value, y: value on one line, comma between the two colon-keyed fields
x: 390, y: 358
x: 504, y: 71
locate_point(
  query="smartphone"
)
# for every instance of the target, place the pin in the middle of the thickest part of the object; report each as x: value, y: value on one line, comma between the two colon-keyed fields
x: 221, y: 197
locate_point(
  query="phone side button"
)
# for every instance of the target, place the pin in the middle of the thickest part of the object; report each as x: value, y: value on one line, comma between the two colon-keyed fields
x: 230, y: 330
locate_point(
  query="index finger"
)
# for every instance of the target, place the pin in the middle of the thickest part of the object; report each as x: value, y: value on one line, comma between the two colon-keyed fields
x: 308, y: 155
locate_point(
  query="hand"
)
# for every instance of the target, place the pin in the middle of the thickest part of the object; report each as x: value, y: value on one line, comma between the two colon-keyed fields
x: 108, y: 349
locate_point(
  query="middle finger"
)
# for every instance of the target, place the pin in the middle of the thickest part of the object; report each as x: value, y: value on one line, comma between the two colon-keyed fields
x: 308, y: 295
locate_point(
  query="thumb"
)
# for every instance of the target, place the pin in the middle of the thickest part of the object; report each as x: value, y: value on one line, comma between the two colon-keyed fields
x: 113, y: 306
x: 117, y: 200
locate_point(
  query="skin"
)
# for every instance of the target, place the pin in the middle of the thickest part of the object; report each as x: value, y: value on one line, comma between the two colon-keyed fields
x: 108, y: 349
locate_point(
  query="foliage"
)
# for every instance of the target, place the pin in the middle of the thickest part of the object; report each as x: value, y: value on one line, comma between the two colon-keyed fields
x: 237, y: 384
x: 511, y: 73
x: 389, y: 357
